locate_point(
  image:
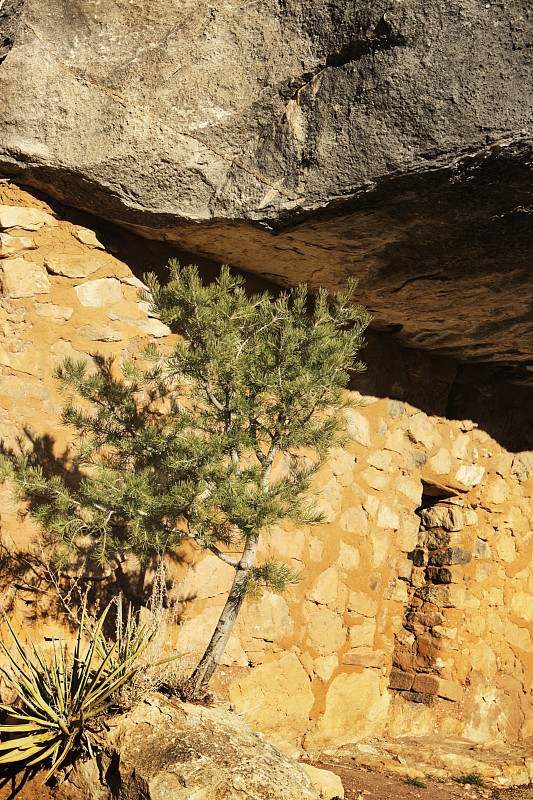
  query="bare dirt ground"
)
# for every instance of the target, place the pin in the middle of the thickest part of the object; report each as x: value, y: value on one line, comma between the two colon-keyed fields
x: 360, y: 783
x: 29, y: 787
x: 363, y: 783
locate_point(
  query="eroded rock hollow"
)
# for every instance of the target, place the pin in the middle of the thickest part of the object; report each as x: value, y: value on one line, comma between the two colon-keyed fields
x: 301, y: 140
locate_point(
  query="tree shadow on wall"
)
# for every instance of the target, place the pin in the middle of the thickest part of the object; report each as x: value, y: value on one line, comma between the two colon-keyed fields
x: 27, y: 571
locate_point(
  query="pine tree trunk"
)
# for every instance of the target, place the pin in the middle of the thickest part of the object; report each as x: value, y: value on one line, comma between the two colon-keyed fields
x: 215, y: 649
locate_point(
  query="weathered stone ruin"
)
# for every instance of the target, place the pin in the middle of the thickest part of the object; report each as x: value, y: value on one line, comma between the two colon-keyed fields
x: 304, y: 141
x: 416, y: 604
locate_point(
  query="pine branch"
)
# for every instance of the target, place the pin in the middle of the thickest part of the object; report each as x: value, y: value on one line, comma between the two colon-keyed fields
x: 182, y: 445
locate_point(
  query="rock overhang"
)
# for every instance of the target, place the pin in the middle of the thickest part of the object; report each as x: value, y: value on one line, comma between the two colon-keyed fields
x: 391, y: 142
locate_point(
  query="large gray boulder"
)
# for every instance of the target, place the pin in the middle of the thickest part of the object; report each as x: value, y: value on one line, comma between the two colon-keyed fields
x: 164, y: 751
x: 301, y: 139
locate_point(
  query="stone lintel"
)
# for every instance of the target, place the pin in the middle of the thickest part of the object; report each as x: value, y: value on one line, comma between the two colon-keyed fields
x: 432, y: 684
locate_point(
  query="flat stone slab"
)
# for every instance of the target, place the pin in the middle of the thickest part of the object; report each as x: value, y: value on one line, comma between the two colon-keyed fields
x: 497, y: 763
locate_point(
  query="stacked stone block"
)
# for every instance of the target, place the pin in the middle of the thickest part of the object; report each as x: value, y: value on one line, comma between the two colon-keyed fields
x: 415, y: 608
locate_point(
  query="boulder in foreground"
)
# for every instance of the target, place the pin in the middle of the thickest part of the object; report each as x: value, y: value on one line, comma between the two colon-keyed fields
x: 172, y: 751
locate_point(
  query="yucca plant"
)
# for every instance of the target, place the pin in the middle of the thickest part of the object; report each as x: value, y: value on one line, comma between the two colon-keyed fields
x: 59, y: 696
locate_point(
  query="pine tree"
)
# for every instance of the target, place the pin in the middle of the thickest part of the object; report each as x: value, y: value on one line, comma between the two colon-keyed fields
x: 181, y: 446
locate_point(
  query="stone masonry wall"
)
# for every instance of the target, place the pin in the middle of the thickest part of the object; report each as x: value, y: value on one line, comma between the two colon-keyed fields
x: 415, y: 609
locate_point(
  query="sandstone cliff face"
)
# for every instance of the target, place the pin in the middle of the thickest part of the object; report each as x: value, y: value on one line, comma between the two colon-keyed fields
x: 302, y: 140
x: 415, y: 611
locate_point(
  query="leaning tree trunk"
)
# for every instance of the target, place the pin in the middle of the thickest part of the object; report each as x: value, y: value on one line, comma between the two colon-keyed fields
x: 215, y: 649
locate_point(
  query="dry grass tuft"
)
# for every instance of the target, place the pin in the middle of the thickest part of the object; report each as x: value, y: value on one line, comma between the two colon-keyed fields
x: 160, y: 669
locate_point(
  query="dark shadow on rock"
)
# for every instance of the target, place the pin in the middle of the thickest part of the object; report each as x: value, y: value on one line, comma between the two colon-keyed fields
x: 16, y: 778
x: 39, y: 450
x: 502, y: 408
x: 488, y: 394
x: 10, y: 16
x: 494, y: 395
x: 30, y: 573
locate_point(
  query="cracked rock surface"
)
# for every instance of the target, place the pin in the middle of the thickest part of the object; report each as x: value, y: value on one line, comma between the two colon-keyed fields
x: 160, y: 750
x: 302, y: 139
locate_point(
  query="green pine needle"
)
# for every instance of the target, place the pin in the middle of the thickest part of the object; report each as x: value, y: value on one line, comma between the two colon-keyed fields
x: 183, y: 444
